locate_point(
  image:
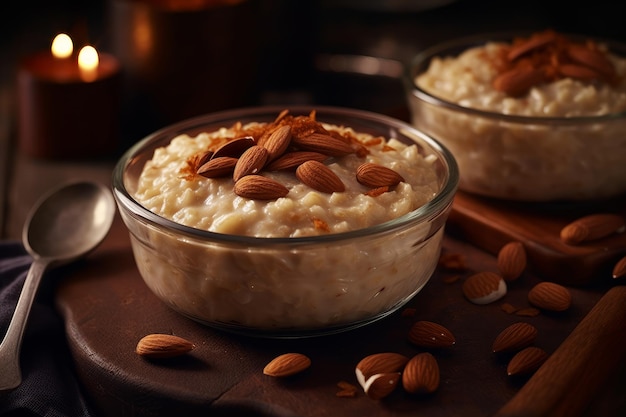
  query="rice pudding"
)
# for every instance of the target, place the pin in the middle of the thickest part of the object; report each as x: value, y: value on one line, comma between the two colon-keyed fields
x: 537, y: 118
x: 179, y: 183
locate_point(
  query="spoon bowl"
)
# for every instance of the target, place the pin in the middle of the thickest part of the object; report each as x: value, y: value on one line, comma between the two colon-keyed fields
x: 65, y: 224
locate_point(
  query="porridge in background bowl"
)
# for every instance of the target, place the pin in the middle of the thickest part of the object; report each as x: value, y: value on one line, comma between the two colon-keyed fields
x: 529, y: 118
x: 282, y: 223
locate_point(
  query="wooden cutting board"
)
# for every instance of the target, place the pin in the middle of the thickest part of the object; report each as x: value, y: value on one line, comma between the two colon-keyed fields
x: 490, y: 224
x: 107, y: 308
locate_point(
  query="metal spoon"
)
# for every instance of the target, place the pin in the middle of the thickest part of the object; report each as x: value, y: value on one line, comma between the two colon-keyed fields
x: 64, y: 225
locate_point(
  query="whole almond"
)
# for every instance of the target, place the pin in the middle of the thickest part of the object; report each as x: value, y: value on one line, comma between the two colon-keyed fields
x: 258, y: 187
x: 421, y: 374
x: 234, y: 148
x: 579, y: 72
x: 526, y: 361
x: 322, y: 143
x: 381, y: 385
x: 619, y: 270
x: 278, y: 142
x: 484, y: 287
x: 251, y: 161
x: 518, y: 81
x: 287, y: 364
x: 203, y: 158
x: 374, y: 175
x: 592, y: 227
x: 550, y: 296
x: 379, y: 363
x: 428, y: 334
x: 218, y: 167
x: 512, y: 260
x: 591, y: 58
x: 538, y: 40
x: 515, y: 337
x: 291, y: 160
x: 159, y: 345
x: 319, y: 177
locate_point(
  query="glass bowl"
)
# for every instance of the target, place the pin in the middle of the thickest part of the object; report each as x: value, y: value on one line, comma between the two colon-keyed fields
x: 287, y: 286
x: 562, y: 141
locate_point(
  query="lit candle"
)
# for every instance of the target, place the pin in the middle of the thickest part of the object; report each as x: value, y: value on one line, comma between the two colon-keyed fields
x: 88, y: 62
x: 68, y: 104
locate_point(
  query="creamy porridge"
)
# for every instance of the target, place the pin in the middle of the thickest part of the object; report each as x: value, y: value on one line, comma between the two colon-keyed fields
x: 170, y: 186
x: 279, y: 262
x: 530, y: 158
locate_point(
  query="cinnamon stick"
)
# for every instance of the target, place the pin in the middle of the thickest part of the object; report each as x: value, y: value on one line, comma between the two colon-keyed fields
x: 569, y: 379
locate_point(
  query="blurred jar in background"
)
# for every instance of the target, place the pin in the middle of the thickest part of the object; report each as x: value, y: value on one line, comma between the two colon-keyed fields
x: 183, y: 58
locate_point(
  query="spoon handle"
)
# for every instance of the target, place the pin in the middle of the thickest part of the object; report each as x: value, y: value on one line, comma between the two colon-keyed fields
x: 10, y: 374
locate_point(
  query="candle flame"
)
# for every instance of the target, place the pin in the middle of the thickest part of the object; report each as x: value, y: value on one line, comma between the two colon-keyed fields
x: 88, y: 58
x: 62, y: 46
x: 88, y: 62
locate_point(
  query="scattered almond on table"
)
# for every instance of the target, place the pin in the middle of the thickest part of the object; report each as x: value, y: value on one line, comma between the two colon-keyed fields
x: 511, y: 260
x: 592, y: 227
x: 159, y: 346
x: 287, y: 364
x: 619, y: 270
x: 526, y: 361
x: 427, y: 334
x: 515, y: 337
x: 550, y: 296
x: 484, y: 287
x: 421, y: 374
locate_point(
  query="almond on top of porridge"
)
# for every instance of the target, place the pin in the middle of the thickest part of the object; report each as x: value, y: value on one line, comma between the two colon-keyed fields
x: 292, y: 177
x: 545, y: 75
x: 528, y: 118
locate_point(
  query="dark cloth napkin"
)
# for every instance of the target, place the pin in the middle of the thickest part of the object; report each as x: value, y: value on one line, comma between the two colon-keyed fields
x: 49, y: 386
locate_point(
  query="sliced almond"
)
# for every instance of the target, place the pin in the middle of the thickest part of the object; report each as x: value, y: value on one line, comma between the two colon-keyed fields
x: 526, y: 361
x: 218, y: 167
x: 550, y: 296
x: 319, y: 177
x: 508, y: 308
x: 484, y: 287
x: 258, y: 187
x: 374, y: 175
x: 421, y: 374
x: 322, y: 143
x: 453, y: 261
x: 346, y: 389
x: 250, y: 162
x: 592, y: 227
x: 159, y: 346
x: 619, y: 270
x: 512, y: 260
x: 379, y: 363
x: 428, y: 334
x: 287, y: 364
x: 527, y: 312
x: 278, y: 142
x: 292, y: 160
x: 381, y: 385
x: 375, y: 192
x: 515, y: 337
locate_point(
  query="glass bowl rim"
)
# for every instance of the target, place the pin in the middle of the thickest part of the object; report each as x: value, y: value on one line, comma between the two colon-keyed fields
x: 430, y: 209
x: 422, y: 59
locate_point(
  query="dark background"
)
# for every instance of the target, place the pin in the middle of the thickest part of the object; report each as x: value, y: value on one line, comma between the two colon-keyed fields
x: 295, y: 41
